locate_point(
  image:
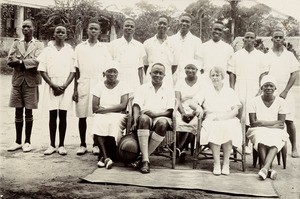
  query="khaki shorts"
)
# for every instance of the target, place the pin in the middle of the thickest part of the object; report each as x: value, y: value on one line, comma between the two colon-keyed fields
x: 24, y: 96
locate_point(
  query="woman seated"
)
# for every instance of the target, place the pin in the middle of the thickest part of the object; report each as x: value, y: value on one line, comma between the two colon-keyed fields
x: 110, y: 99
x: 220, y: 125
x: 267, y: 116
x: 185, y: 90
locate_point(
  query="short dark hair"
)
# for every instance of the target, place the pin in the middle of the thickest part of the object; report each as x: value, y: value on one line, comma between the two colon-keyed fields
x: 219, y: 22
x: 129, y: 19
x: 186, y: 14
x: 277, y: 30
x: 31, y: 21
x: 250, y: 32
x: 158, y: 64
x: 164, y: 16
x: 94, y: 20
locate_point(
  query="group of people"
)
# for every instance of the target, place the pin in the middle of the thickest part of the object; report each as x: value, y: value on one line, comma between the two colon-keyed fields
x: 207, y: 80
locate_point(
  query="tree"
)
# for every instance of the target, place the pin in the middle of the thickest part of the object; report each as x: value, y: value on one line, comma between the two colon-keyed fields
x: 146, y: 16
x: 74, y: 15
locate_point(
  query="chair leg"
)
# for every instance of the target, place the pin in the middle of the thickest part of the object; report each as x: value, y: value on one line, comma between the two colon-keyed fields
x: 193, y: 145
x: 284, y: 155
x: 278, y: 157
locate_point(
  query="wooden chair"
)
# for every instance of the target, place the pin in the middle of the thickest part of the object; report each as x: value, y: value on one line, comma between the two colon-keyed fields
x: 167, y: 148
x: 201, y: 152
x: 282, y: 152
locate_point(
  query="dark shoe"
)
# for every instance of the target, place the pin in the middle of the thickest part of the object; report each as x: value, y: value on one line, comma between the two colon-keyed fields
x: 145, y: 167
x: 138, y: 163
x: 182, y: 157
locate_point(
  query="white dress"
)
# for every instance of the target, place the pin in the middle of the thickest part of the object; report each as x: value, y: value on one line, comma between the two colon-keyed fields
x: 109, y: 124
x: 267, y: 136
x: 187, y: 94
x: 219, y: 132
x: 58, y: 64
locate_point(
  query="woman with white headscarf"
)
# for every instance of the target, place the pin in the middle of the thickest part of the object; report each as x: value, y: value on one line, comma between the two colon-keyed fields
x: 267, y: 115
x: 185, y: 90
x: 110, y: 99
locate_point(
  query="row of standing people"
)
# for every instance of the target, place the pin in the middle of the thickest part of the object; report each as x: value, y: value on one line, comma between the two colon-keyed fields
x: 172, y: 52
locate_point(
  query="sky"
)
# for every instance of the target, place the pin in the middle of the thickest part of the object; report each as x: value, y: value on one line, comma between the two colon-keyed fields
x: 287, y: 7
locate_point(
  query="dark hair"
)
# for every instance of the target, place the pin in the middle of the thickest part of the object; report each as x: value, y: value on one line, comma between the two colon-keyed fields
x: 250, y: 32
x: 186, y: 14
x: 164, y: 16
x: 219, y: 22
x: 129, y: 19
x: 158, y: 64
x: 277, y: 30
x: 94, y: 20
x: 33, y: 25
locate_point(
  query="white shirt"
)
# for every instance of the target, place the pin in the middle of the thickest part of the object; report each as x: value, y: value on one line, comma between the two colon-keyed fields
x: 91, y: 60
x: 57, y: 63
x: 215, y: 54
x: 186, y: 48
x: 157, y: 102
x: 247, y: 66
x: 281, y: 67
x: 130, y: 55
x: 157, y: 52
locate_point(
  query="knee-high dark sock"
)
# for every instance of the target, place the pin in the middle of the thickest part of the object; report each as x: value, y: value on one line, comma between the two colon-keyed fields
x: 62, y: 126
x: 19, y: 124
x: 28, y: 124
x: 52, y: 126
x: 82, y: 131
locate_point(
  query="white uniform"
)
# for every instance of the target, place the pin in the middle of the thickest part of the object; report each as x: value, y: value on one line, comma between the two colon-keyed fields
x: 157, y: 52
x: 247, y: 67
x: 58, y: 64
x: 130, y: 55
x: 215, y: 54
x: 281, y: 68
x: 186, y: 48
x: 91, y: 61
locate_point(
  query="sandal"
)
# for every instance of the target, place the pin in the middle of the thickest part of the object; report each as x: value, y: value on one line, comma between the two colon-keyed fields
x: 263, y: 173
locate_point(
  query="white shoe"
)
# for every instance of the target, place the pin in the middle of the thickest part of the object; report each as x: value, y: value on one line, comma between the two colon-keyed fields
x: 81, y: 151
x: 95, y: 150
x: 14, y: 146
x: 50, y: 150
x: 217, y: 169
x: 248, y: 150
x: 27, y: 147
x: 108, y: 163
x: 101, y: 163
x: 62, y: 151
x: 225, y: 170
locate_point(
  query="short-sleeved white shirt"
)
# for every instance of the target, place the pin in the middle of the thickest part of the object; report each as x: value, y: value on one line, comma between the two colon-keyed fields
x: 157, y: 52
x: 281, y: 67
x: 109, y: 97
x: 265, y: 113
x: 215, y: 54
x: 130, y: 55
x: 158, y: 102
x: 57, y: 63
x: 91, y: 60
x: 186, y: 48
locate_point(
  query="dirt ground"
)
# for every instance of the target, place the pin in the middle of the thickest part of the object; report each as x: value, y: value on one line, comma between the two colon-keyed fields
x: 34, y: 175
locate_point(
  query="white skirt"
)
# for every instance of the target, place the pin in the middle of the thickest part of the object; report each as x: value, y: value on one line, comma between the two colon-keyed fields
x: 267, y: 136
x: 63, y: 102
x: 109, y: 124
x: 220, y: 132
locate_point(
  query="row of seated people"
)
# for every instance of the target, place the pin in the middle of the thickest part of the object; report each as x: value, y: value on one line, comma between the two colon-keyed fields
x: 217, y: 104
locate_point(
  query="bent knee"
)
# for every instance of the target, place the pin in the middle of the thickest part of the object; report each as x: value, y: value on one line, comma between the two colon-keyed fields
x: 144, y: 121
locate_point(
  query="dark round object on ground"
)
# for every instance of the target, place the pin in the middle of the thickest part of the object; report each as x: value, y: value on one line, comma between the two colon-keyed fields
x: 128, y: 148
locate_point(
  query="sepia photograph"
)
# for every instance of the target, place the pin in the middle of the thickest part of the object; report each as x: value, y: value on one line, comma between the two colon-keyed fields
x: 149, y: 99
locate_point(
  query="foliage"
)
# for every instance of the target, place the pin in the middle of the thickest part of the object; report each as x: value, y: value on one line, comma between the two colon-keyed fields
x: 146, y: 19
x: 74, y: 15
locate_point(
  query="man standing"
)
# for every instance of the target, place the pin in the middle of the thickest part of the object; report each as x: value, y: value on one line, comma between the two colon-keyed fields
x: 153, y: 105
x: 187, y: 46
x: 130, y: 54
x: 215, y: 52
x: 25, y: 80
x: 284, y: 67
x: 246, y: 68
x: 159, y: 49
x: 91, y: 57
